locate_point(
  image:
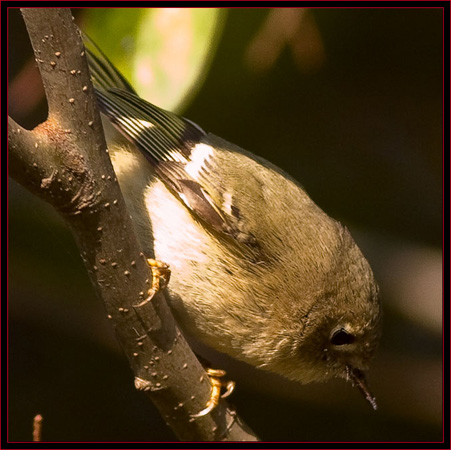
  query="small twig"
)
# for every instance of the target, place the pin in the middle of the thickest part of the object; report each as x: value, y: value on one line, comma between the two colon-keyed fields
x: 37, y: 428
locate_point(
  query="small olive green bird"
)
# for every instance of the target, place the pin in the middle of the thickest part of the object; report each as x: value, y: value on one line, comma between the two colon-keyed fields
x: 258, y: 270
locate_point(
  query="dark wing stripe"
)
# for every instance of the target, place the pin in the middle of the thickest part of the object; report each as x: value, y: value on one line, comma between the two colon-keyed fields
x: 167, y: 120
x: 151, y: 141
x: 178, y: 129
x: 162, y: 135
x: 129, y: 120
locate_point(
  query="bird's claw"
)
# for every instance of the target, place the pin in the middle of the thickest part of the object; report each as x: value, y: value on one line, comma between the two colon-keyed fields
x: 217, y: 383
x: 160, y: 278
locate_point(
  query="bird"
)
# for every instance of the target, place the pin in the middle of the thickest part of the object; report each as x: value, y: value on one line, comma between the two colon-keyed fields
x: 258, y: 270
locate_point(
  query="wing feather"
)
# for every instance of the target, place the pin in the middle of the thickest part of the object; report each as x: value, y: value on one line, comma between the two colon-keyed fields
x: 173, y: 145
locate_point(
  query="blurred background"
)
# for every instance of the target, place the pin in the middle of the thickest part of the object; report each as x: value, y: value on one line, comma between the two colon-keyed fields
x: 349, y: 102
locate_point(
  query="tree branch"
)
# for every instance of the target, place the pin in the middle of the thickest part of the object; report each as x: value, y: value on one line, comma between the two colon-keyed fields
x: 65, y: 161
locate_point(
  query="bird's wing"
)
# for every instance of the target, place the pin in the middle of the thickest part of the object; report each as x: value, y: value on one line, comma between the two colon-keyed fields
x: 177, y: 148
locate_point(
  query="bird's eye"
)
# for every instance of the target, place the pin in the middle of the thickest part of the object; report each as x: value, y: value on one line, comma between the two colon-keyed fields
x: 342, y: 337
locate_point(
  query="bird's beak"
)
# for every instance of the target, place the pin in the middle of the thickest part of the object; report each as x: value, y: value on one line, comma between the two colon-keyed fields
x: 358, y: 379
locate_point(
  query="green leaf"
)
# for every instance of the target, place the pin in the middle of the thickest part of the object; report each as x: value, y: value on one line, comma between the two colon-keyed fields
x: 164, y: 52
